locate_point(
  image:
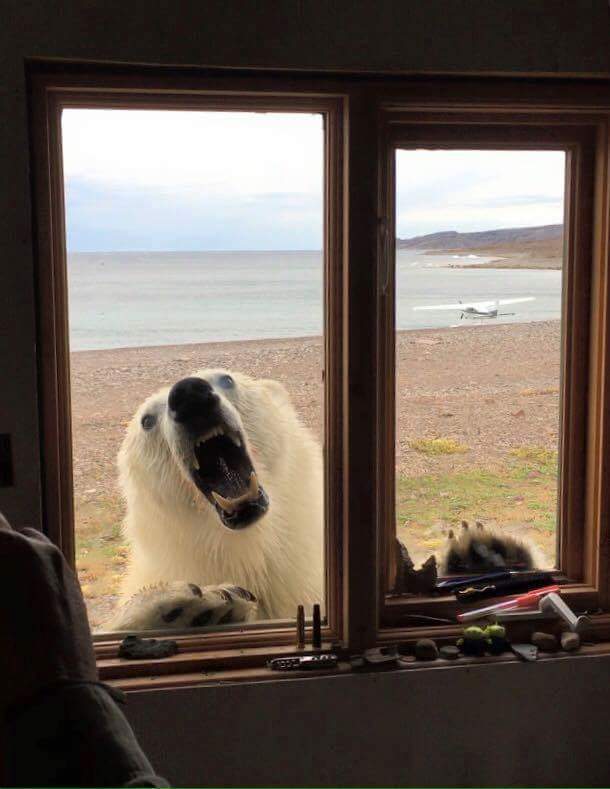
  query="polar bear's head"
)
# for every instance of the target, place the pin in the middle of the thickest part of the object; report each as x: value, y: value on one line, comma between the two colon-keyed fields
x: 209, y: 441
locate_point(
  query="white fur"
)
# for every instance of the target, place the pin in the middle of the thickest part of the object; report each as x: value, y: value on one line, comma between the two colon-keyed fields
x: 175, y: 535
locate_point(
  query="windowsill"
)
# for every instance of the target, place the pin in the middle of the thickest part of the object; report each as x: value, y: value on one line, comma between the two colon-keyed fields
x: 191, y: 667
x: 263, y: 674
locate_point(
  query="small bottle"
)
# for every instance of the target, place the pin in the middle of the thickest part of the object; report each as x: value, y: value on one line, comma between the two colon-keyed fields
x: 316, y: 637
x: 300, y: 627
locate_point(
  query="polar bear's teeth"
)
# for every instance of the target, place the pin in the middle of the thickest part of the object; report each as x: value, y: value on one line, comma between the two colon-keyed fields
x: 224, y: 504
x: 196, y: 463
x: 230, y: 505
x: 253, y: 486
x: 215, y: 431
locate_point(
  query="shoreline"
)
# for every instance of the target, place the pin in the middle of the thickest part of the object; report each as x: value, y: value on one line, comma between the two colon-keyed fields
x: 473, y: 372
x: 498, y: 258
x: 224, y: 345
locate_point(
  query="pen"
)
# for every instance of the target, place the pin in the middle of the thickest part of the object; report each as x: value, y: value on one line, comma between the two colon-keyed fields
x: 523, y: 601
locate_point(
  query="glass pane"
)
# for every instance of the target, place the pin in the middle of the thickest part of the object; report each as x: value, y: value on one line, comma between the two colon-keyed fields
x: 196, y: 312
x: 478, y: 350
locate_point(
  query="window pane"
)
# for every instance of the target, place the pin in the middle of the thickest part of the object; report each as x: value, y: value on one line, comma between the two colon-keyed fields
x: 196, y: 313
x: 478, y: 350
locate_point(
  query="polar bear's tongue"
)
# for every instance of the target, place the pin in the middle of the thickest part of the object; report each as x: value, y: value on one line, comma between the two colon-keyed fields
x: 225, y: 475
x: 231, y: 505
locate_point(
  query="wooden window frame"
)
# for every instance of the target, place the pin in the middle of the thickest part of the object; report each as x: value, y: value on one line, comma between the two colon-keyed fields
x: 581, y: 527
x: 51, y: 92
x: 358, y: 344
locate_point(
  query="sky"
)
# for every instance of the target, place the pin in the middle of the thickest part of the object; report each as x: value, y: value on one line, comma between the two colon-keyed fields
x: 175, y: 180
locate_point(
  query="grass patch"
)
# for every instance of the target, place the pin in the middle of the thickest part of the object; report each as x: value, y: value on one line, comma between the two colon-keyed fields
x: 535, y: 460
x: 437, y: 446
x: 531, y: 392
x: 101, y: 553
x: 523, y: 493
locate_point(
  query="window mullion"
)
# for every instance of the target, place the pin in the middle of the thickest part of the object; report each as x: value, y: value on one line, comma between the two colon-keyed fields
x: 361, y: 425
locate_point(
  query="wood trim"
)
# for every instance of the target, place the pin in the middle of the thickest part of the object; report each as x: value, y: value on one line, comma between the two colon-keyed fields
x: 335, y: 404
x: 196, y: 660
x: 597, y: 544
x: 251, y: 674
x: 472, y: 94
x: 386, y: 354
x: 574, y: 525
x: 266, y: 635
x: 52, y: 332
x: 49, y: 97
x: 357, y: 392
x: 578, y: 140
x: 361, y: 424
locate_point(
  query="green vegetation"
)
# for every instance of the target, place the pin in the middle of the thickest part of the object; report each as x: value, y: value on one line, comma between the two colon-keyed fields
x: 544, y: 459
x: 437, y: 446
x: 534, y: 392
x: 524, y: 492
x: 101, y: 553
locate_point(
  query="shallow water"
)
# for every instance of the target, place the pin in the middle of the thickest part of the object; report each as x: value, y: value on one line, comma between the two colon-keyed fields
x: 122, y: 299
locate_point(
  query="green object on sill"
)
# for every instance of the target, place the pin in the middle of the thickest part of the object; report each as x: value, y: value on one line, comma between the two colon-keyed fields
x: 477, y: 641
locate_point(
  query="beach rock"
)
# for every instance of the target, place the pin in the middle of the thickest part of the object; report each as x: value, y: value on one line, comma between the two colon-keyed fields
x: 449, y: 652
x: 426, y: 649
x: 546, y: 642
x: 570, y: 642
x: 136, y: 648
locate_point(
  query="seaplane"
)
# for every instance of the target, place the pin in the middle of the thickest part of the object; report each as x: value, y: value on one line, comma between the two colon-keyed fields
x: 478, y: 309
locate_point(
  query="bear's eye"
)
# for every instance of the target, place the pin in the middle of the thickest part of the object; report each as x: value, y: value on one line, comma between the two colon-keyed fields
x: 148, y: 421
x: 226, y: 382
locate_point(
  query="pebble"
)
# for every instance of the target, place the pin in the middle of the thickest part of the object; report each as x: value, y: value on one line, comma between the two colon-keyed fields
x: 136, y: 648
x: 449, y: 653
x: 546, y: 642
x: 570, y: 642
x: 426, y: 649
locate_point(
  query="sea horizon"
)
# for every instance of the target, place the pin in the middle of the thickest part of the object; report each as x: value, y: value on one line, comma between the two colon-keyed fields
x: 130, y: 299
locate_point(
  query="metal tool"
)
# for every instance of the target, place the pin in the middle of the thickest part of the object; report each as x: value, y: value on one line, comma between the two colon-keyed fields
x: 304, y: 662
x: 527, y: 652
x: 553, y: 602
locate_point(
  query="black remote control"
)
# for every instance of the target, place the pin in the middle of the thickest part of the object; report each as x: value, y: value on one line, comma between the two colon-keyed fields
x: 303, y: 662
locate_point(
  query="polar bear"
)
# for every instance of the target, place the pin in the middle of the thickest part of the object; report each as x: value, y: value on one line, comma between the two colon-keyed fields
x: 224, y: 494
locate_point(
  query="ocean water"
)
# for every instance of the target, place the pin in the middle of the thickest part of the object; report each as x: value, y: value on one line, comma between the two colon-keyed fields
x: 125, y: 299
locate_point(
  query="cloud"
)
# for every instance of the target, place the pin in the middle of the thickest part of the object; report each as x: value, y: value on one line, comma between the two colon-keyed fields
x: 143, y: 179
x: 477, y: 190
x: 157, y: 180
x: 113, y: 218
x: 216, y: 152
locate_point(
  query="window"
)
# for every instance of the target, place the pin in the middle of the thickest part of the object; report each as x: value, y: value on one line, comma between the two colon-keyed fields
x: 194, y: 247
x: 375, y: 136
x: 479, y: 259
x: 197, y: 232
x: 490, y: 420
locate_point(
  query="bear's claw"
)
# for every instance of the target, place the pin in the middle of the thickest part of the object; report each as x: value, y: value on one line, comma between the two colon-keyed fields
x: 184, y: 605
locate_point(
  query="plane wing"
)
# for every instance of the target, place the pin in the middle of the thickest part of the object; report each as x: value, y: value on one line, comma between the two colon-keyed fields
x: 516, y: 301
x: 477, y: 305
x: 444, y: 307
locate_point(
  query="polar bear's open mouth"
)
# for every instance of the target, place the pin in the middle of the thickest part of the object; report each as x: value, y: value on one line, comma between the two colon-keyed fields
x: 227, y: 478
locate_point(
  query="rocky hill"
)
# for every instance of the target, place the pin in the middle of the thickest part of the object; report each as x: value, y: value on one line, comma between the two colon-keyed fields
x: 516, y: 247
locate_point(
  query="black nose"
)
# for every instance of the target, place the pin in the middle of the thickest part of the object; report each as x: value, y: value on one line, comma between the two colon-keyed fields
x: 193, y: 403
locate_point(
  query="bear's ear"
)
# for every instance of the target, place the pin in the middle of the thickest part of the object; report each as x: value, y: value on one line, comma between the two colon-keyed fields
x: 277, y: 390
